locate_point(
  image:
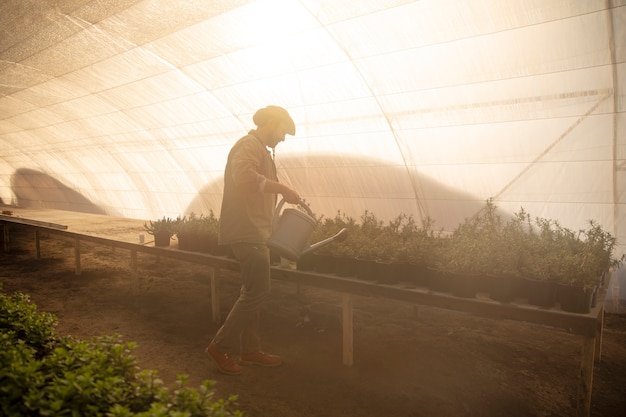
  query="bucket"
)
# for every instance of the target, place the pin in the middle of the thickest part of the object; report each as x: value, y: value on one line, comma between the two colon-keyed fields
x: 291, y: 233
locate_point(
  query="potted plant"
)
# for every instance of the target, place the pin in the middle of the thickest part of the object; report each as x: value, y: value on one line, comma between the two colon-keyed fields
x: 199, y: 233
x: 321, y: 260
x: 386, y: 243
x: 186, y: 232
x: 366, y: 250
x: 162, y: 230
x: 208, y: 232
x: 503, y: 273
x: 548, y: 256
x: 437, y: 276
x: 344, y: 253
x: 397, y: 245
x: 468, y: 255
x: 419, y: 250
x: 590, y: 257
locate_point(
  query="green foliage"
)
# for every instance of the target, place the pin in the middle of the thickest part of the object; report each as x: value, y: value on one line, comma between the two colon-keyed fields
x: 511, y: 244
x: 550, y: 252
x: 557, y: 253
x: 400, y: 240
x: 198, y: 232
x: 205, y: 225
x: 597, y: 257
x: 473, y: 244
x: 360, y: 239
x: 166, y: 224
x: 373, y: 240
x: 487, y: 244
x: 20, y: 320
x: 43, y: 374
x: 327, y: 227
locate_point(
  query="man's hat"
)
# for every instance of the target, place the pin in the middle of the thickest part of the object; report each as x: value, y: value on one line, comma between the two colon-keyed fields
x: 261, y: 117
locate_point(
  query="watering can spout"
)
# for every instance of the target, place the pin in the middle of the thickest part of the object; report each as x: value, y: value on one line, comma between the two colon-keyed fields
x: 292, y: 230
x: 339, y: 237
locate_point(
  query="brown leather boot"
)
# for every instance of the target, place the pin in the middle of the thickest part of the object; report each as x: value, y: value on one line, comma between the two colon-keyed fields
x: 225, y: 363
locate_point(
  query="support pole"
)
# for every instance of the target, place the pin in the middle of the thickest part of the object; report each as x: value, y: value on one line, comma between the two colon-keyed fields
x: 7, y: 246
x: 133, y: 269
x: 37, y: 244
x: 215, y: 295
x: 416, y: 311
x: 348, y: 330
x: 77, y: 255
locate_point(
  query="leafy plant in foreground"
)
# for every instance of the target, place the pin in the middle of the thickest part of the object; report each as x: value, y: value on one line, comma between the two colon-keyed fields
x: 44, y: 374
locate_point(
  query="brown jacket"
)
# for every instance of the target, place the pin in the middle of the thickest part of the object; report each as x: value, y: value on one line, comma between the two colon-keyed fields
x: 247, y: 212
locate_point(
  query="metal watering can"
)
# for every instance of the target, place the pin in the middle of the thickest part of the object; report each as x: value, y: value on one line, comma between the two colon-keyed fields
x: 292, y: 230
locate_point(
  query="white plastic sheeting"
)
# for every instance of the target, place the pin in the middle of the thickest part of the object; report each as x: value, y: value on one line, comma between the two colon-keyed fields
x: 427, y: 107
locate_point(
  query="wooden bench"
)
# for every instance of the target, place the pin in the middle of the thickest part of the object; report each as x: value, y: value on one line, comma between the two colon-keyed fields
x: 589, y: 326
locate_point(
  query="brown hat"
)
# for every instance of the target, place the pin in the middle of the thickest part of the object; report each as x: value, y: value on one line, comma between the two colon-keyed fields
x: 274, y: 112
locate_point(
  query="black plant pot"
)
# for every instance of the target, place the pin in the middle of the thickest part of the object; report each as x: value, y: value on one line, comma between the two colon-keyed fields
x: 366, y: 269
x: 324, y: 263
x: 463, y: 284
x: 183, y: 242
x: 574, y: 298
x: 224, y: 250
x: 162, y: 238
x: 418, y: 275
x: 306, y: 262
x: 212, y: 245
x: 439, y: 280
x: 503, y: 287
x: 204, y: 245
x: 191, y: 242
x: 387, y: 272
x: 405, y: 272
x: 541, y: 293
x: 345, y: 266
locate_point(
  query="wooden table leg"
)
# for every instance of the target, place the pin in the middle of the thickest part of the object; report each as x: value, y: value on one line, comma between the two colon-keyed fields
x: 599, y: 334
x: 583, y: 406
x: 348, y: 330
x: 37, y: 244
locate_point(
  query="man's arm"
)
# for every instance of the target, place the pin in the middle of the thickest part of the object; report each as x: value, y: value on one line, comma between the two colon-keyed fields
x: 290, y: 195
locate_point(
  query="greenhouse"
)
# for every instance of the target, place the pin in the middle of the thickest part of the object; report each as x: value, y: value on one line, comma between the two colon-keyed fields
x: 429, y: 109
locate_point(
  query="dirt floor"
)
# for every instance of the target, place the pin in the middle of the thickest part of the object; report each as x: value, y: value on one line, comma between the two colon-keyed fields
x: 409, y: 362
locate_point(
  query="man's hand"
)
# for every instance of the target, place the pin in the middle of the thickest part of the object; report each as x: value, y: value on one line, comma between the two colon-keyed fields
x: 291, y: 196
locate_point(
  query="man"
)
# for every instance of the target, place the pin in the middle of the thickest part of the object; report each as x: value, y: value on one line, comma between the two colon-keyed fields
x: 250, y: 193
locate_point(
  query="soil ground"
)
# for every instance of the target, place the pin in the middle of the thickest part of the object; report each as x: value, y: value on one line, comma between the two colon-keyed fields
x: 408, y: 362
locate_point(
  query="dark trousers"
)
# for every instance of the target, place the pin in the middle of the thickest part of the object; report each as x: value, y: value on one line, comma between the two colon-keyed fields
x: 240, y: 331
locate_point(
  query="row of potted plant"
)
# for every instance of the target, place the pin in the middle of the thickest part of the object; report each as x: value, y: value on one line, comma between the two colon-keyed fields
x: 194, y: 232
x: 507, y: 257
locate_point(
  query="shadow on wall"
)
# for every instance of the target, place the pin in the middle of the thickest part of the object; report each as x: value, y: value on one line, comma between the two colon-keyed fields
x: 329, y: 183
x: 353, y: 184
x: 34, y: 189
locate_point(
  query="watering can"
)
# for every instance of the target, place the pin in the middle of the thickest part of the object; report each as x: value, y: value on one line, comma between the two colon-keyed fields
x: 292, y: 230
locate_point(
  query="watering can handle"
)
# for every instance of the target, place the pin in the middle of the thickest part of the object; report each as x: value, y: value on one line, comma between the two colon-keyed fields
x: 280, y: 206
